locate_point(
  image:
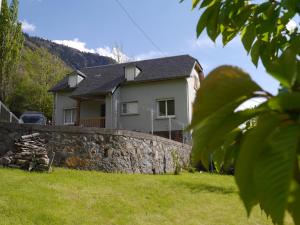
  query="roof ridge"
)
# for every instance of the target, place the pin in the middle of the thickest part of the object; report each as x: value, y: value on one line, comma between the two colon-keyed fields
x: 138, y: 61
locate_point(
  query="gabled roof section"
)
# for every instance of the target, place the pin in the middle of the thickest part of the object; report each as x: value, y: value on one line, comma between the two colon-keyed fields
x: 104, y: 79
x: 63, y: 84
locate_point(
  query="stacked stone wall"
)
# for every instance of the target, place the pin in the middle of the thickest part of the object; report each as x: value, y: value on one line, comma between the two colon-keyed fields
x: 102, y: 149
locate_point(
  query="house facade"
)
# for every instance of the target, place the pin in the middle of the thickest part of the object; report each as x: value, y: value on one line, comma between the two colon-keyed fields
x: 150, y: 96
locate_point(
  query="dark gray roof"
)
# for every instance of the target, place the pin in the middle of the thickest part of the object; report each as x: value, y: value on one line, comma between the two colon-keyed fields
x: 62, y: 85
x: 104, y: 79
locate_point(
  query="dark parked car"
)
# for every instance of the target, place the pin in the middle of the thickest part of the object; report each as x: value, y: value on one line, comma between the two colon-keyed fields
x: 33, y: 118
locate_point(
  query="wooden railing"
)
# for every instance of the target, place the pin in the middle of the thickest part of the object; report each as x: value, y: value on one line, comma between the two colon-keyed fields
x: 93, y: 122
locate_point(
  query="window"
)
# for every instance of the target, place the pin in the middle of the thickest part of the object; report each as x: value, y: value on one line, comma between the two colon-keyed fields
x: 74, y: 80
x: 69, y: 116
x: 129, y: 108
x: 131, y: 72
x: 166, y: 108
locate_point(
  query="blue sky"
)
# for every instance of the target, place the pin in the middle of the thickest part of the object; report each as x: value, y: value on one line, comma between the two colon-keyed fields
x: 98, y: 25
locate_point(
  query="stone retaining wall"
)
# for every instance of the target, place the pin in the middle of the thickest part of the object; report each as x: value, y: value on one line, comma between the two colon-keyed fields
x: 102, y: 149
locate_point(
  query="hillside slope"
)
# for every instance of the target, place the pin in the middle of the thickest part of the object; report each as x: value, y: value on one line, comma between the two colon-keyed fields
x: 72, y: 57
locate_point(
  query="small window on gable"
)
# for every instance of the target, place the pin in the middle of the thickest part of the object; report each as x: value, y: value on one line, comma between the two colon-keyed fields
x: 131, y: 72
x: 129, y: 108
x: 75, y: 79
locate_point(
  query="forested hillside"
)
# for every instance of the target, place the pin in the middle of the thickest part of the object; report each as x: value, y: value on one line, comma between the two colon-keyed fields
x: 72, y: 57
x: 42, y: 64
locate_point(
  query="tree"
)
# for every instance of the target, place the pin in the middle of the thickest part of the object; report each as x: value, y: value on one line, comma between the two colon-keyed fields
x: 267, y: 155
x: 11, y: 42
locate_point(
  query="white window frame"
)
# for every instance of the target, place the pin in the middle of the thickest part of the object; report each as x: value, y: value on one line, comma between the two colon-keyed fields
x: 72, y: 119
x: 166, y: 105
x: 126, y: 114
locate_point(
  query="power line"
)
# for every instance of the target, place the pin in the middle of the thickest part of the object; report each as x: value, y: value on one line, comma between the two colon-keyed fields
x: 139, y: 27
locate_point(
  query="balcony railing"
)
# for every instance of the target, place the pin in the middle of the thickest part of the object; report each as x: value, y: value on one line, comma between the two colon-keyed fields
x: 93, y: 122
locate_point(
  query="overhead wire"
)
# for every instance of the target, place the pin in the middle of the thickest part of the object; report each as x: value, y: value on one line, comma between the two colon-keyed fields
x: 139, y: 27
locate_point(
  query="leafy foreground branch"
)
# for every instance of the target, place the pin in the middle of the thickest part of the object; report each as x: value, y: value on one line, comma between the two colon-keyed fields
x: 266, y: 156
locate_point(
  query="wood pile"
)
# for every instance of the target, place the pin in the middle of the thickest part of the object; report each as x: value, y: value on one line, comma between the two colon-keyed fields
x: 30, y: 154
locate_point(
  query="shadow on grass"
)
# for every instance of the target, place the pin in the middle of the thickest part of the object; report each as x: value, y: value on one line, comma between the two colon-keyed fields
x: 195, y: 188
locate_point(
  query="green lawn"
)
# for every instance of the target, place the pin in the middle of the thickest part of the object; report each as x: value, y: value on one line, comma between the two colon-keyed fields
x: 82, y: 197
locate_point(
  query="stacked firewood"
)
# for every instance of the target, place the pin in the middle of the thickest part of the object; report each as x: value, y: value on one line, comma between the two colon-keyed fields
x: 30, y: 154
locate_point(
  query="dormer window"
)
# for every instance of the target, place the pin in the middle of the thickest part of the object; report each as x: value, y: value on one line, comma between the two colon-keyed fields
x: 75, y: 78
x: 131, y: 72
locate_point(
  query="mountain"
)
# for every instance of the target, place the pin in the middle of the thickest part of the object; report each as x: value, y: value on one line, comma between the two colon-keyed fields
x: 72, y: 57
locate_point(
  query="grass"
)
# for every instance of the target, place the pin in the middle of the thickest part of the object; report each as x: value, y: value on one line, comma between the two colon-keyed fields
x: 82, y: 197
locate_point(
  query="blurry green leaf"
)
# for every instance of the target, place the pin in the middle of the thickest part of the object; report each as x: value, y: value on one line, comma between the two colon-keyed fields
x: 248, y: 36
x: 207, y: 3
x: 214, y: 115
x: 203, y: 21
x: 212, y: 26
x: 228, y: 35
x: 255, y: 52
x: 285, y: 68
x: 243, y: 15
x: 285, y: 102
x: 291, y: 5
x: 252, y: 145
x: 218, y: 159
x: 273, y: 170
x: 261, y: 8
x: 222, y: 86
x: 295, y: 43
x: 195, y: 3
x: 210, y: 134
x: 294, y: 202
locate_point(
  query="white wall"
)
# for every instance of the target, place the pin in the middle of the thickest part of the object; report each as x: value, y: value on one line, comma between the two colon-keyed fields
x: 193, y: 82
x: 147, y: 94
x: 63, y: 101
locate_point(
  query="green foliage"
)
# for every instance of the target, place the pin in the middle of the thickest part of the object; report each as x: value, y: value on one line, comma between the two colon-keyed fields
x: 11, y: 42
x: 266, y: 153
x: 177, y: 169
x: 38, y: 71
x: 263, y: 32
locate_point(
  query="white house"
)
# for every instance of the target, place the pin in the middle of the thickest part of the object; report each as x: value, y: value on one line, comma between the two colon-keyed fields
x: 148, y: 96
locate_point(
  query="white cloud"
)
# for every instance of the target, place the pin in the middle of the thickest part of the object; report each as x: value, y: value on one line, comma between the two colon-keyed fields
x: 76, y: 43
x: 27, y: 27
x: 113, y: 52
